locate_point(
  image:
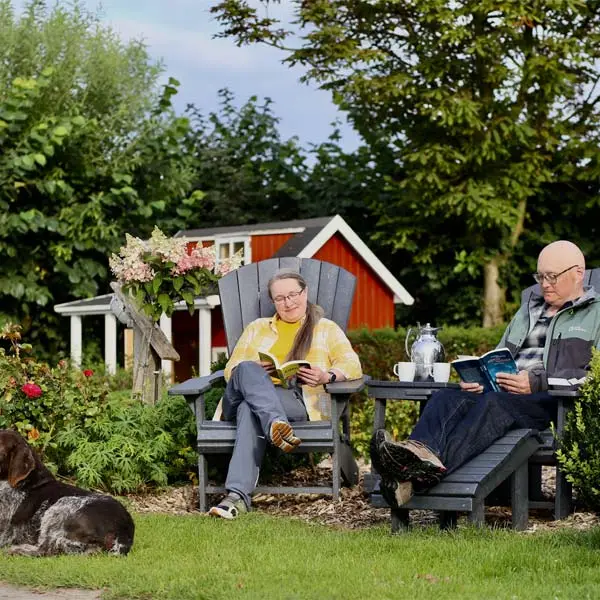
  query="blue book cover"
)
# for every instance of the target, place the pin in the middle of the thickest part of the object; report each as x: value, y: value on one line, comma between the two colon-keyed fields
x: 483, y: 369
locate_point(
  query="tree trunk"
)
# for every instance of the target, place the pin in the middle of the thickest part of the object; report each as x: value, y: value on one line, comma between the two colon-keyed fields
x: 494, y: 296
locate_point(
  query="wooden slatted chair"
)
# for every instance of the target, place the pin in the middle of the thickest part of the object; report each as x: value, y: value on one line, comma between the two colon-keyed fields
x: 545, y: 455
x: 244, y: 298
x: 517, y: 458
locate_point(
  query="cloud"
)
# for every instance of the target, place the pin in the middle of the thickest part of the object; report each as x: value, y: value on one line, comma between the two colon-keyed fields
x: 192, y: 47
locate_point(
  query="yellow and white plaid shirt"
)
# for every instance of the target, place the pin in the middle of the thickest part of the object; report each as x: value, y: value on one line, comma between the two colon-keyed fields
x: 330, y: 348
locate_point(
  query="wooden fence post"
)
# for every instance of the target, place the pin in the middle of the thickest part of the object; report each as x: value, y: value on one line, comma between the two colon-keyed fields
x: 150, y: 346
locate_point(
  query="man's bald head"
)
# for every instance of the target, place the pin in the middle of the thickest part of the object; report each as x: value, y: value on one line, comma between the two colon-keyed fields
x: 566, y: 261
x: 562, y: 254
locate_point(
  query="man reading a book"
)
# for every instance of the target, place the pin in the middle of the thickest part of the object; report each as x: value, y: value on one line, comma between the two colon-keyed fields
x: 551, y: 335
x: 262, y: 407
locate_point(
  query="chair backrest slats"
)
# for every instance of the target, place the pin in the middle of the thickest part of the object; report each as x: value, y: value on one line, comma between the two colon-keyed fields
x: 311, y: 271
x: 328, y: 279
x: 343, y: 298
x: 245, y: 296
x: 229, y: 290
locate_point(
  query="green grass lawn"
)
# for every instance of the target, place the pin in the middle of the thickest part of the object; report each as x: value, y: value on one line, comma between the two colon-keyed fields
x: 259, y: 556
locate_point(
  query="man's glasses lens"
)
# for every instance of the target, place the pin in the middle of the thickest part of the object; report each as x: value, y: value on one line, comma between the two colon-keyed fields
x: 551, y: 278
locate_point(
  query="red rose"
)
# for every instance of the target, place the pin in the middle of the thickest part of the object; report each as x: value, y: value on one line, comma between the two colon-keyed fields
x: 88, y: 372
x: 31, y: 390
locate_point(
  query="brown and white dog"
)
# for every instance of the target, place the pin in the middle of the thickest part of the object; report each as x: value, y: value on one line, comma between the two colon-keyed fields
x: 40, y: 516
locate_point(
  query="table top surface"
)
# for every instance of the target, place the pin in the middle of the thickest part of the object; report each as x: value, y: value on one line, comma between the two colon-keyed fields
x: 411, y: 385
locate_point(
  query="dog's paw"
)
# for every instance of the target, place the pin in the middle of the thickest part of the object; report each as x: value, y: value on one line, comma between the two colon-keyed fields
x: 24, y: 550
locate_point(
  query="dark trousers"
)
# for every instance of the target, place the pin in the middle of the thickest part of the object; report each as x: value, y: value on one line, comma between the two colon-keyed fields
x: 459, y: 425
x: 253, y: 402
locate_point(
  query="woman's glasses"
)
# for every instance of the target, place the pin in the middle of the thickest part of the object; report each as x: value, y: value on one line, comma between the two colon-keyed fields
x: 291, y: 297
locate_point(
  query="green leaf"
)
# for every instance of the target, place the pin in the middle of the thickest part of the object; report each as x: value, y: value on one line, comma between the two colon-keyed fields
x: 60, y: 131
x: 40, y: 159
x: 27, y: 161
x: 165, y: 302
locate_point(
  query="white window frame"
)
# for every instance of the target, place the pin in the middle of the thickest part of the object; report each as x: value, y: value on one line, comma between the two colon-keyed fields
x: 230, y: 241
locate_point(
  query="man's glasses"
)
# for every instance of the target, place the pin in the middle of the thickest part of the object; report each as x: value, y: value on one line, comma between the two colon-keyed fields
x: 551, y: 278
x: 291, y: 297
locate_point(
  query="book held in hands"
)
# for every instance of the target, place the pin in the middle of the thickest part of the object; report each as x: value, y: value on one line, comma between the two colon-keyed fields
x: 482, y: 369
x: 285, y: 371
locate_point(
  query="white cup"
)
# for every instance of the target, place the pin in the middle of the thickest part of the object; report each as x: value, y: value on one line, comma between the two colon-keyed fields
x: 405, y: 371
x: 441, y: 372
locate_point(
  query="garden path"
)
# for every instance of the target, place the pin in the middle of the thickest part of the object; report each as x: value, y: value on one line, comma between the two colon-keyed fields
x: 11, y: 592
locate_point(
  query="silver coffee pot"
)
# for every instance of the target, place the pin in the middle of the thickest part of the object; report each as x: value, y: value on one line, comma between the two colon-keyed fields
x: 425, y: 351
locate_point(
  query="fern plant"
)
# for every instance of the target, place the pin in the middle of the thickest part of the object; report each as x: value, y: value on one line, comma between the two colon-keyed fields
x: 130, y: 446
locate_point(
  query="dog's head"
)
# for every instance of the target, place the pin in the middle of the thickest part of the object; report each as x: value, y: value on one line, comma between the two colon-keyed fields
x: 17, y: 460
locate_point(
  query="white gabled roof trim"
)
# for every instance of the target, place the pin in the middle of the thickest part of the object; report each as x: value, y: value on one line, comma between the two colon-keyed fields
x: 102, y: 308
x: 242, y: 234
x: 338, y: 225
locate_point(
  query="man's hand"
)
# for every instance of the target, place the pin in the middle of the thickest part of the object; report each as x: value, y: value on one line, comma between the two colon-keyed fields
x: 476, y: 388
x: 313, y: 376
x: 515, y: 384
x: 268, y: 366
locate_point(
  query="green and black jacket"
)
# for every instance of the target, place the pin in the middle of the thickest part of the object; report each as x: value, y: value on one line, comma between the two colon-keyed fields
x: 572, y: 333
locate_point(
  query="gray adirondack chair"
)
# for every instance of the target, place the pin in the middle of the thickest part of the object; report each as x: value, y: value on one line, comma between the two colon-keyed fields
x: 545, y: 455
x: 516, y: 459
x: 244, y: 298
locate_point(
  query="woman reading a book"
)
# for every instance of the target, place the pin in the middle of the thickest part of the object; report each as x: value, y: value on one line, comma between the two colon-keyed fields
x: 551, y: 335
x: 311, y: 351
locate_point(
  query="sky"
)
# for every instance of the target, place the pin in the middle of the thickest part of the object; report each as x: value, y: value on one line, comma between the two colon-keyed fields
x: 180, y: 33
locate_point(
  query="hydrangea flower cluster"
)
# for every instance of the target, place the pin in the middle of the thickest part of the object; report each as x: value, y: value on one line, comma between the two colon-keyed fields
x: 162, y: 271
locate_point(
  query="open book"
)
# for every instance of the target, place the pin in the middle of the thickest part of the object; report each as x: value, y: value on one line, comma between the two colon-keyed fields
x: 285, y: 371
x: 483, y: 369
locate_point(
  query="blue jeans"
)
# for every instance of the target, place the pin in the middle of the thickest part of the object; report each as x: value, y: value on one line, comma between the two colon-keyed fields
x: 459, y: 425
x: 253, y: 402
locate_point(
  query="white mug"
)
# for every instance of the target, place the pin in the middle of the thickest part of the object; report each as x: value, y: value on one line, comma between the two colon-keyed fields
x: 441, y: 372
x: 405, y: 371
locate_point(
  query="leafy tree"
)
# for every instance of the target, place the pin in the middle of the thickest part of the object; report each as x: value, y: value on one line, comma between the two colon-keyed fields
x: 247, y: 173
x: 89, y: 149
x: 486, y: 109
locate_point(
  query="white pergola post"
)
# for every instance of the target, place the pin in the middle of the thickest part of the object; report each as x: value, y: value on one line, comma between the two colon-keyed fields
x: 110, y: 343
x: 76, y: 344
x: 204, y: 340
x: 166, y: 326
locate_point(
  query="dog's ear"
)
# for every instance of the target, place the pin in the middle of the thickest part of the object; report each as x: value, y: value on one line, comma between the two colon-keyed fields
x: 22, y: 462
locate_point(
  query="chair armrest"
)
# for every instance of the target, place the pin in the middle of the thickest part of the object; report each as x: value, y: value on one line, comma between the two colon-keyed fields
x: 347, y: 387
x: 196, y: 385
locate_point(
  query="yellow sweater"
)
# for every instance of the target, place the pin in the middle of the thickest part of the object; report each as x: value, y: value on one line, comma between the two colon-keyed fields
x: 330, y: 348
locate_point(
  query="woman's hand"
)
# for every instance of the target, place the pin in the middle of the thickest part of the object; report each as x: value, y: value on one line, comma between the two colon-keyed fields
x: 313, y: 376
x: 268, y: 366
x: 515, y: 384
x: 476, y: 388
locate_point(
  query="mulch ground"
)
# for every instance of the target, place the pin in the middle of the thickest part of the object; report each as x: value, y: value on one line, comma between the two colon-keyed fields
x: 352, y: 511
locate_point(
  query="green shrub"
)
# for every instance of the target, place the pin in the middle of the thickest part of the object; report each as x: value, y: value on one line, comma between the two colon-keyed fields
x: 130, y: 445
x: 84, y: 430
x: 378, y: 350
x: 579, y: 453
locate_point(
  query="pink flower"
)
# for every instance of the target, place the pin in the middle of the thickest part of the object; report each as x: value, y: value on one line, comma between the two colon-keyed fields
x: 32, y: 390
x: 88, y: 372
x: 203, y: 258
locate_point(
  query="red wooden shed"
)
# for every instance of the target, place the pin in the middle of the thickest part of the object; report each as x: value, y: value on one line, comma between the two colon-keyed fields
x: 327, y: 238
x: 199, y: 338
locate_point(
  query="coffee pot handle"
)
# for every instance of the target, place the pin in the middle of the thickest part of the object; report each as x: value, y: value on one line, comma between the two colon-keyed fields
x: 408, y: 354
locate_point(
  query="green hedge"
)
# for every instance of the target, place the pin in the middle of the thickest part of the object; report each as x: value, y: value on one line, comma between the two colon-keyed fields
x: 579, y: 453
x: 378, y: 351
